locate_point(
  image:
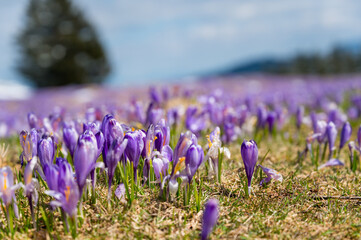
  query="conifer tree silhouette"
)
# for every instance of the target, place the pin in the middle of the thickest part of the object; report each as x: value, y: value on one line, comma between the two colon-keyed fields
x: 59, y: 46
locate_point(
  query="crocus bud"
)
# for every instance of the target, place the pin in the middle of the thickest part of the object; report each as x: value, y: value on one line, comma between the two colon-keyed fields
x: 345, y: 134
x: 92, y: 126
x: 34, y: 135
x: 180, y: 150
x: 249, y: 152
x: 162, y: 132
x: 26, y: 144
x: 149, y: 141
x: 331, y: 133
x: 173, y: 188
x: 155, y: 115
x: 134, y: 147
x: 351, y: 147
x: 107, y: 137
x: 210, y: 217
x: 115, y: 152
x: 70, y: 136
x: 299, y: 116
x: 261, y: 116
x: 154, y: 95
x: 85, y: 157
x: 321, y: 129
x: 51, y: 172
x: 173, y: 116
x: 271, y: 117
x: 194, y: 158
x: 46, y: 150
x: 160, y: 167
x: 32, y: 120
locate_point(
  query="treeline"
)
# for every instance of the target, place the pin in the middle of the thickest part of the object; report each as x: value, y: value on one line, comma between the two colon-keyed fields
x: 338, y: 61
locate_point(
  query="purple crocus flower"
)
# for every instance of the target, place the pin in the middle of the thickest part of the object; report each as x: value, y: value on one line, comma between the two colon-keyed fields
x: 230, y: 133
x: 46, y: 150
x: 85, y: 157
x: 115, y: 152
x: 215, y: 147
x: 271, y: 117
x: 154, y: 95
x: 210, y: 218
x: 345, y: 134
x: 67, y: 196
x: 51, y: 172
x: 331, y: 132
x: 27, y: 146
x: 160, y: 167
x: 173, y: 116
x: 271, y: 174
x: 33, y: 120
x: 180, y: 150
x: 34, y: 135
x: 149, y: 142
x: 195, y: 122
x: 162, y: 132
x: 30, y: 189
x: 148, y: 150
x: 7, y: 188
x: 321, y: 129
x: 194, y: 159
x: 95, y: 129
x: 261, y: 116
x: 134, y: 148
x: 29, y: 182
x: 332, y: 163
x: 70, y: 137
x: 249, y: 152
x: 107, y: 136
x: 299, y: 116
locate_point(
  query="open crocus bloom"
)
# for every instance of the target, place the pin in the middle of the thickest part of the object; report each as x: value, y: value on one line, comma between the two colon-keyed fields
x: 30, y: 182
x: 271, y: 174
x: 68, y: 194
x: 7, y: 188
x: 332, y: 163
x: 215, y: 146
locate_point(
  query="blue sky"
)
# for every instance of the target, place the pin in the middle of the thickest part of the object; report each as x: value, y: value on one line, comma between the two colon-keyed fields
x: 150, y: 41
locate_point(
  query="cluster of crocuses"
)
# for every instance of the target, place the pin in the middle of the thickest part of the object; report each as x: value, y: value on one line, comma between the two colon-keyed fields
x: 66, y: 153
x: 325, y: 133
x: 67, y: 158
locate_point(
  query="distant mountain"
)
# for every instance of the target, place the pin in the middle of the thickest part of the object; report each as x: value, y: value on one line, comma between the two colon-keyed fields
x: 344, y: 58
x: 262, y: 65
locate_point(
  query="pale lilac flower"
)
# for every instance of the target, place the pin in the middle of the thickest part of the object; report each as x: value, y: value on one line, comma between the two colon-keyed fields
x: 271, y: 174
x: 332, y: 163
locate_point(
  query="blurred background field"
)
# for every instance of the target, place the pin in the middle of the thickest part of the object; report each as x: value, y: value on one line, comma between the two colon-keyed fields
x: 137, y: 43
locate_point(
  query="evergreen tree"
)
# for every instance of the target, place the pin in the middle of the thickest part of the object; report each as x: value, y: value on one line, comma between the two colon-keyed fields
x: 59, y: 46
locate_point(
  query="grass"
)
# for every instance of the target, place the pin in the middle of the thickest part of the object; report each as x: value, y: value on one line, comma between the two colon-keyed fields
x: 293, y: 209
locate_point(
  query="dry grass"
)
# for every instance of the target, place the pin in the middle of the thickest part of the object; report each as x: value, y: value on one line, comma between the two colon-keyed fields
x: 288, y: 210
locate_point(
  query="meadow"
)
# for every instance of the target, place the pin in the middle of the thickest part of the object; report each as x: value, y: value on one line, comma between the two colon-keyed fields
x: 237, y: 159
